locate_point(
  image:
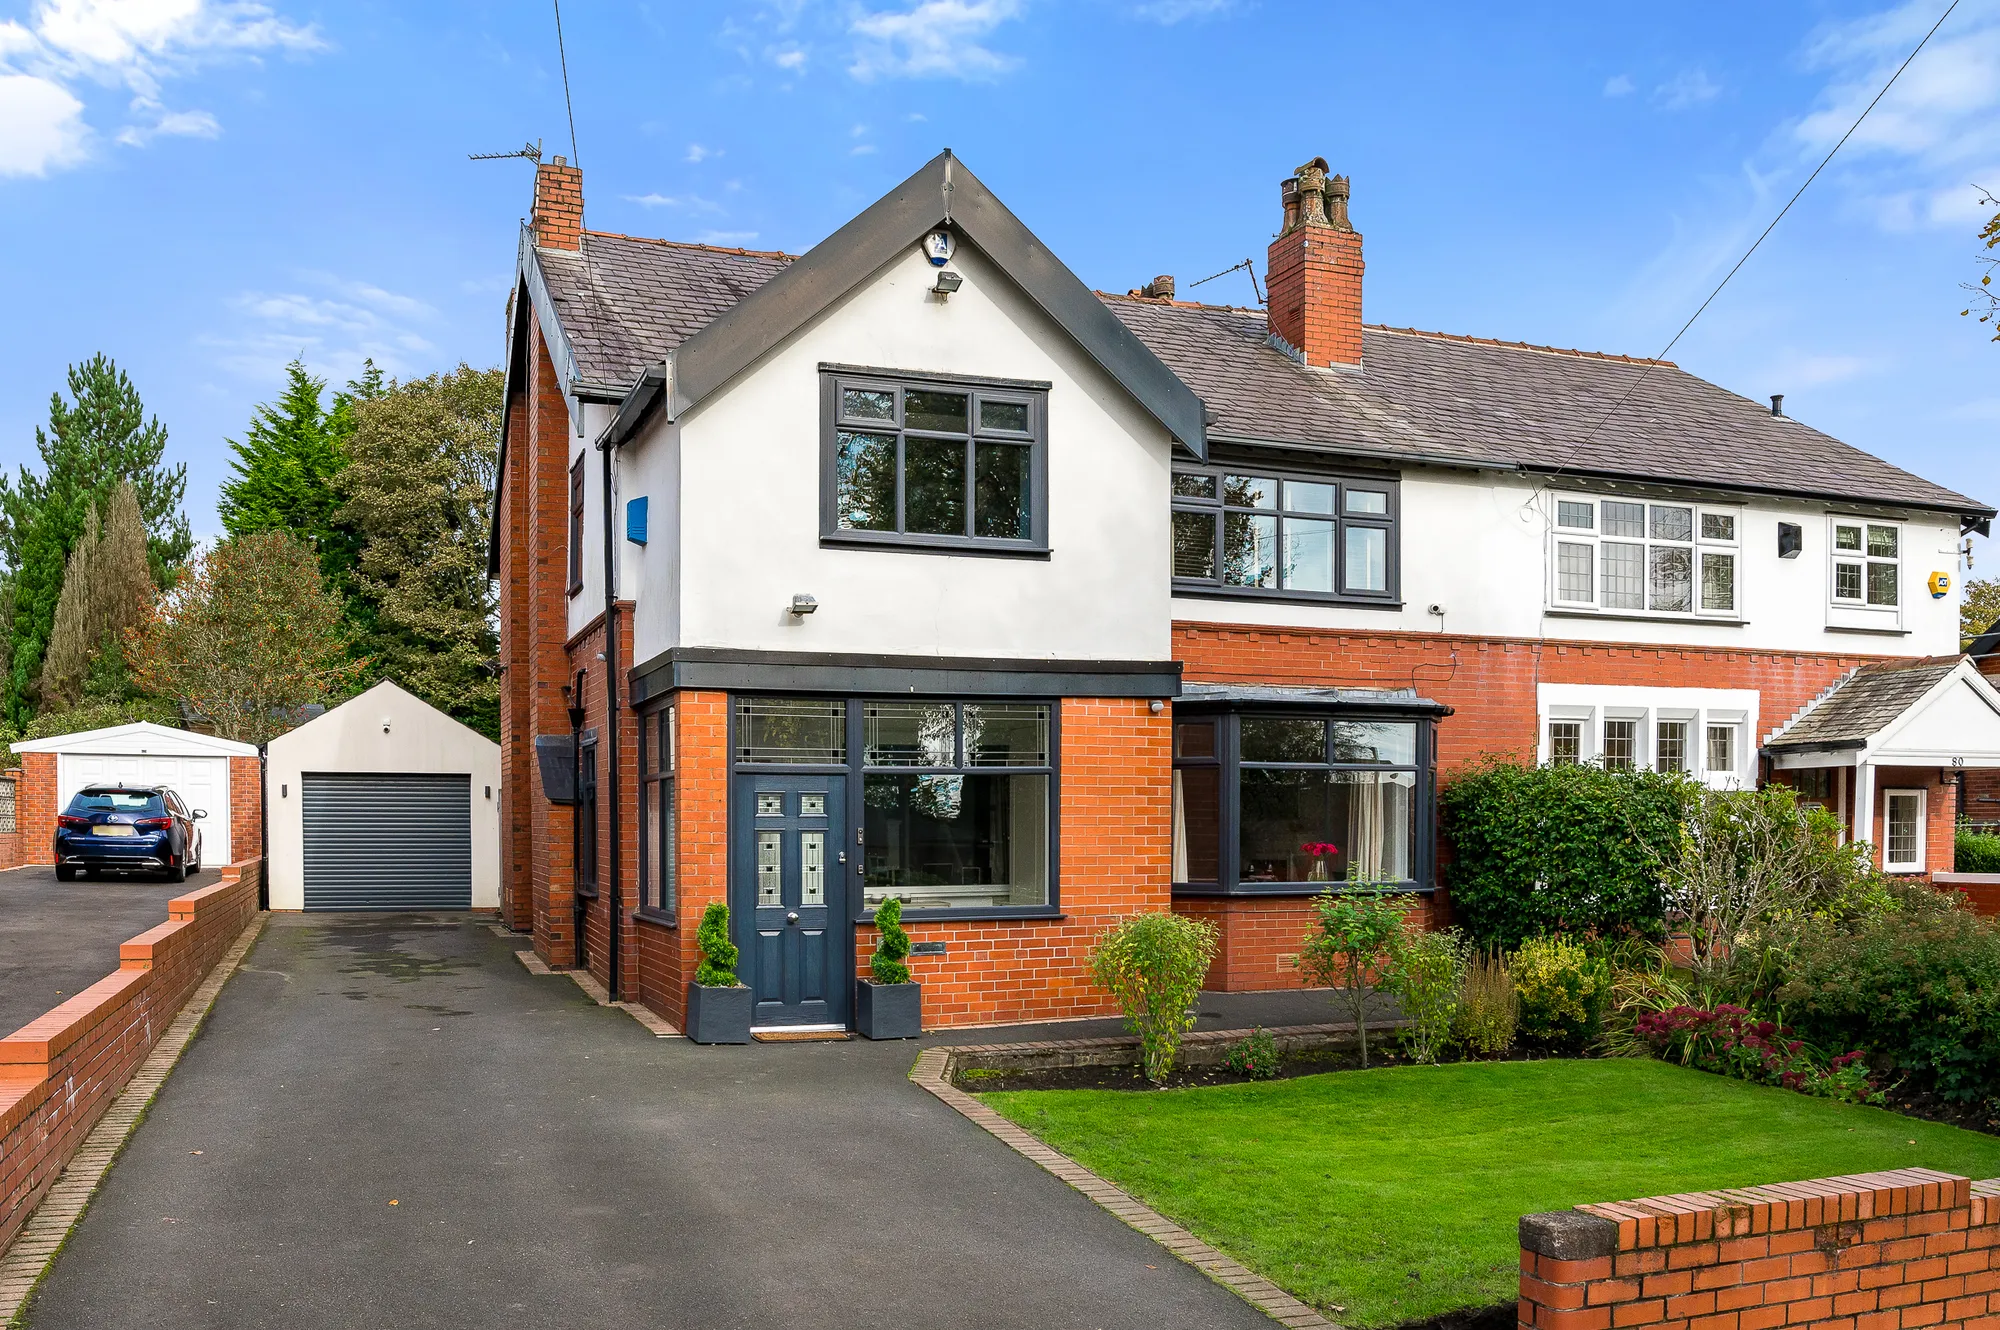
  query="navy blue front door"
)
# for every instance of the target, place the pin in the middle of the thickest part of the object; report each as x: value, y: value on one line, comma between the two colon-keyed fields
x: 788, y: 880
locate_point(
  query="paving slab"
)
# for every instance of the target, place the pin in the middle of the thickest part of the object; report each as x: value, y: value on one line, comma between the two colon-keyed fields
x: 58, y: 938
x: 388, y: 1121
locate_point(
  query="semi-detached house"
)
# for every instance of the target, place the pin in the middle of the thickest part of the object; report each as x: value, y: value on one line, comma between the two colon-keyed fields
x: 934, y: 574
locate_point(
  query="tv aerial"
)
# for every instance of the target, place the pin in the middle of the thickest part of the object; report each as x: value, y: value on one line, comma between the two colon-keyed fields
x: 531, y: 151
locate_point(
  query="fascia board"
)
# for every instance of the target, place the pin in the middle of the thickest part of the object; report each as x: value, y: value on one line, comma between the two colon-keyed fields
x: 813, y: 282
x: 161, y: 741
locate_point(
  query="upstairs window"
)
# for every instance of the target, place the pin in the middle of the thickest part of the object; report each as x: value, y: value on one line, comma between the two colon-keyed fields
x: 576, y: 527
x: 943, y: 463
x: 1627, y: 556
x: 1867, y: 564
x: 1256, y: 532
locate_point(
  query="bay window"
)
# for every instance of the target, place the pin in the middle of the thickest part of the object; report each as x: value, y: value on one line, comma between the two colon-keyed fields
x: 1252, y: 531
x: 1631, y: 556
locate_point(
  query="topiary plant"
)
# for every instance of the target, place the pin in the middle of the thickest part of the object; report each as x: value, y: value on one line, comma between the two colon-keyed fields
x: 891, y: 944
x: 718, y: 953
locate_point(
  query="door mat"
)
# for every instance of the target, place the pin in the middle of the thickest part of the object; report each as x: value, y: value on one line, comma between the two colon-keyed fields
x: 801, y: 1036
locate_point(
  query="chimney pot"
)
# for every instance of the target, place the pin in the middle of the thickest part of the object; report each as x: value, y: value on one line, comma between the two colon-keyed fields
x: 1313, y: 275
x: 1777, y: 404
x: 1161, y: 287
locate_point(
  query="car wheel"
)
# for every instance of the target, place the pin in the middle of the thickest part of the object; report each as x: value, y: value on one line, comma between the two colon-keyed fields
x: 179, y: 872
x: 64, y: 873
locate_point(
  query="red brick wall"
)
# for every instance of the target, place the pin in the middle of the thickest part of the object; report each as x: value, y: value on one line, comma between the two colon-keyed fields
x: 1261, y: 936
x: 35, y: 814
x: 1940, y: 811
x: 1878, y: 1251
x: 246, y: 808
x: 558, y: 216
x: 61, y: 1071
x: 583, y: 651
x: 1313, y: 282
x: 667, y: 956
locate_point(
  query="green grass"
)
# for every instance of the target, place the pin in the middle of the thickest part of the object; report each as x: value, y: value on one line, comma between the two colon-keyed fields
x: 1393, y: 1194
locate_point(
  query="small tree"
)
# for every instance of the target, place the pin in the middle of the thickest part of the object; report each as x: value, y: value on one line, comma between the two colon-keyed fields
x: 1426, y: 974
x: 1360, y: 934
x: 718, y: 953
x: 1154, y: 965
x: 891, y: 944
x: 249, y: 637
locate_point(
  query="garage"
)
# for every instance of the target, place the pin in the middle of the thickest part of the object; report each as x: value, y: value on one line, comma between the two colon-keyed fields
x: 201, y: 768
x: 383, y: 803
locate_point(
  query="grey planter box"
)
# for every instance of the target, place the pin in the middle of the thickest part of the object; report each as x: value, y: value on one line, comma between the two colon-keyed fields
x: 718, y: 1015
x: 888, y: 1011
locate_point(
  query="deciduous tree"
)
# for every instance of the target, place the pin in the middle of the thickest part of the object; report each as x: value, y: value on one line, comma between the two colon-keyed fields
x: 249, y: 636
x: 1980, y: 609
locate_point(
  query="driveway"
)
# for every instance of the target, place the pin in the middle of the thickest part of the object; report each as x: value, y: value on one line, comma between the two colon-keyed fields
x: 387, y: 1121
x: 57, y: 938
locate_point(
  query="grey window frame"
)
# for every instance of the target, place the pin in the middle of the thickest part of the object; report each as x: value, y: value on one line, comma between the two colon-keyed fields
x: 577, y: 491
x: 1391, y: 522
x: 1034, y: 393
x: 659, y: 893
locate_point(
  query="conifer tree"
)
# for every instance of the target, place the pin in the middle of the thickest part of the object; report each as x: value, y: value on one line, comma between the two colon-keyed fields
x: 106, y: 592
x: 93, y: 442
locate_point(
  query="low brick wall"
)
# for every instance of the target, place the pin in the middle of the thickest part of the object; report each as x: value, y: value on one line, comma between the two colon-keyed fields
x: 1876, y: 1251
x: 59, y: 1072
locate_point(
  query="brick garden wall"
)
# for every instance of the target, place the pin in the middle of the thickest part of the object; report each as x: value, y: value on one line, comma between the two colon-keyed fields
x: 246, y: 808
x: 1878, y: 1251
x: 12, y: 850
x: 59, y: 1072
x: 1261, y: 935
x: 35, y: 814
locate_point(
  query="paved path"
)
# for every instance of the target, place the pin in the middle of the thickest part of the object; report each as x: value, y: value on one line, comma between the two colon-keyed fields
x: 57, y: 938
x: 553, y: 1164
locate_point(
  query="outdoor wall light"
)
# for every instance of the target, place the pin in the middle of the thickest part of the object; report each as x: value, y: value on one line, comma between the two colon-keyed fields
x: 1156, y: 706
x: 802, y: 605
x: 947, y: 282
x: 1791, y: 539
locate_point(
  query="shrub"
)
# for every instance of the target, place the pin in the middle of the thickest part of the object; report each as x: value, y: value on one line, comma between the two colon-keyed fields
x: 1488, y: 1006
x: 1560, y: 849
x: 1255, y: 1056
x: 891, y: 944
x: 1360, y: 934
x: 718, y: 953
x: 1644, y: 986
x: 1976, y: 853
x: 1425, y: 974
x: 1917, y: 986
x: 1732, y: 1041
x: 1154, y: 964
x: 1563, y: 991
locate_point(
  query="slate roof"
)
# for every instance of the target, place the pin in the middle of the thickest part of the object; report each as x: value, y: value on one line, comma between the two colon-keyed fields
x: 625, y: 302
x: 1862, y: 704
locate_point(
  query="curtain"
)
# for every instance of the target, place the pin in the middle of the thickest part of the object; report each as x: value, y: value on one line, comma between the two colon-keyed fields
x: 1180, y: 873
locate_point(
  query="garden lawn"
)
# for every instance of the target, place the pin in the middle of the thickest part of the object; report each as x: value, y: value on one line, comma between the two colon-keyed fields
x: 1393, y: 1194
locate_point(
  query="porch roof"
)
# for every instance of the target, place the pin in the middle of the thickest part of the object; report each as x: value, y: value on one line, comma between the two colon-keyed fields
x: 1402, y: 700
x: 1934, y: 712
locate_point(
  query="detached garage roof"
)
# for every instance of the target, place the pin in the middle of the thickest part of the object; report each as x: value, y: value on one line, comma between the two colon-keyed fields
x: 142, y: 737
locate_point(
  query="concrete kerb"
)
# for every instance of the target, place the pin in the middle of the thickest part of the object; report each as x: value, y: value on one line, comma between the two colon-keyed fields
x: 34, y: 1248
x: 595, y: 991
x: 935, y: 1068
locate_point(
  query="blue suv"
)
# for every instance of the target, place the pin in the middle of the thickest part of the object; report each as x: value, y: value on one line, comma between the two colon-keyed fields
x: 127, y: 829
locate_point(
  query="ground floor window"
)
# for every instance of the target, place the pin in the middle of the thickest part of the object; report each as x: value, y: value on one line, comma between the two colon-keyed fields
x: 1903, y: 831
x: 1266, y: 802
x: 658, y: 823
x: 1704, y: 733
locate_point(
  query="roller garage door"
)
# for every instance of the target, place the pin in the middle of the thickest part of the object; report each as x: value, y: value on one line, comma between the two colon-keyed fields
x: 375, y: 841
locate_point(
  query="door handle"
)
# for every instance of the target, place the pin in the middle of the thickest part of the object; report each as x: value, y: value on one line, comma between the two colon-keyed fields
x: 792, y: 917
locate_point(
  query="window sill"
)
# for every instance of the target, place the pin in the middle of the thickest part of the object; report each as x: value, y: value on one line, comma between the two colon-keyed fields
x: 1035, y: 912
x: 966, y: 548
x: 573, y: 592
x: 652, y: 916
x: 1254, y: 889
x: 1206, y: 592
x: 1867, y: 632
x: 1720, y: 621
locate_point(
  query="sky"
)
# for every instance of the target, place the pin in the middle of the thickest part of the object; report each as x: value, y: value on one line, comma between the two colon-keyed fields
x: 205, y: 189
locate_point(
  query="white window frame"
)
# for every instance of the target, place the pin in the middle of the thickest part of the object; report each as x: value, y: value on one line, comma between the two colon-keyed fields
x: 1862, y: 560
x: 1698, y: 545
x: 1592, y: 706
x: 1914, y: 865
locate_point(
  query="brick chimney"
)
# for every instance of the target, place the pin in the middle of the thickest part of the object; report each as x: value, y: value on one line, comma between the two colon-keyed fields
x: 1314, y: 274
x: 558, y: 216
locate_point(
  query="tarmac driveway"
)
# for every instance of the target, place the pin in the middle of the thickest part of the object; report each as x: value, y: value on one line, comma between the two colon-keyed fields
x: 58, y: 938
x: 386, y: 1121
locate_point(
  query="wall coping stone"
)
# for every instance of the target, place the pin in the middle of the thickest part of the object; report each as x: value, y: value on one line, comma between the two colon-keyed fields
x: 1568, y: 1235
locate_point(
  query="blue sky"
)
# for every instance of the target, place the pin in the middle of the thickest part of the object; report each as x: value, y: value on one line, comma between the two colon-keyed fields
x: 204, y: 189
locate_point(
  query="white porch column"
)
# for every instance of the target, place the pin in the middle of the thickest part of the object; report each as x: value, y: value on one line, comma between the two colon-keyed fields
x: 1864, y: 802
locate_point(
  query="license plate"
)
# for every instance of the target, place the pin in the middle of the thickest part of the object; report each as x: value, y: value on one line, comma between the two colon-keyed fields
x: 112, y: 831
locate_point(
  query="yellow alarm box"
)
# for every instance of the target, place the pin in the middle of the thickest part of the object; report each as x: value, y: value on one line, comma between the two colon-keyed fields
x: 1940, y: 584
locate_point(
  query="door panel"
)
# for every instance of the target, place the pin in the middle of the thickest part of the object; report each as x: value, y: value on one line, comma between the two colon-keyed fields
x: 788, y: 896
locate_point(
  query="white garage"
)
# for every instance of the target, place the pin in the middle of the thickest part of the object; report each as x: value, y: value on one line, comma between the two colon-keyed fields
x: 383, y: 803
x: 195, y: 765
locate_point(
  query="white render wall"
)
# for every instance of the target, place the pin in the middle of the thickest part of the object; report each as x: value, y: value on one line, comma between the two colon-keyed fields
x: 383, y: 730
x: 1476, y: 544
x: 588, y: 603
x: 746, y: 464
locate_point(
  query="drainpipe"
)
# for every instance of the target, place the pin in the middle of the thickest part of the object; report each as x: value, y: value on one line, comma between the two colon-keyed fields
x: 263, y: 825
x: 611, y: 885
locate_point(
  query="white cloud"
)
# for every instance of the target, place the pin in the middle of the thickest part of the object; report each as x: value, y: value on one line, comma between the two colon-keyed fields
x: 1174, y: 11
x: 45, y: 129
x: 69, y: 45
x: 1690, y: 87
x: 935, y: 39
x: 1945, y: 109
x: 332, y: 332
x: 679, y: 202
x: 789, y: 57
x: 863, y: 150
x: 1619, y: 85
x: 697, y: 153
x: 1796, y: 369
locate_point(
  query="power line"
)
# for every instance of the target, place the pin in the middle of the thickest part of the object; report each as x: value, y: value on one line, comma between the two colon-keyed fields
x: 1654, y: 363
x: 565, y: 59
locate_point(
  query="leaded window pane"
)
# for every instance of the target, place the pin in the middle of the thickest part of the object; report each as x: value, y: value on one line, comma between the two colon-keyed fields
x: 1621, y: 743
x: 1624, y: 519
x: 1367, y: 559
x: 909, y: 734
x: 1672, y: 523
x: 1672, y: 578
x: 1670, y: 746
x: 1565, y: 742
x: 1308, y: 555
x: 1623, y: 573
x: 1194, y: 545
x: 1573, y: 580
x: 1882, y: 583
x: 1718, y: 581
x: 1283, y: 739
x: 1847, y: 581
x: 865, y: 482
x: 1575, y: 515
x: 791, y: 730
x: 1847, y: 538
x: 1006, y: 734
x: 1881, y: 542
x: 1718, y: 526
x: 1250, y: 550
x: 1000, y: 491
x: 934, y: 486
x: 1722, y: 748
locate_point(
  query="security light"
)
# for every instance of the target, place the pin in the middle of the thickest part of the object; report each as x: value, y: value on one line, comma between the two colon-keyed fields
x: 1791, y: 539
x: 803, y: 605
x: 947, y: 282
